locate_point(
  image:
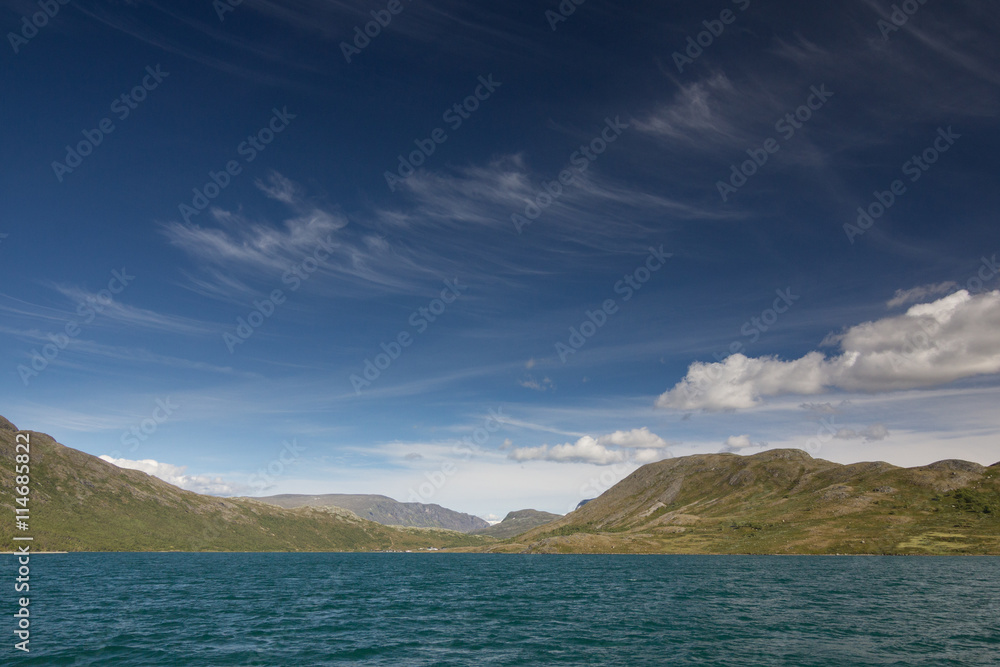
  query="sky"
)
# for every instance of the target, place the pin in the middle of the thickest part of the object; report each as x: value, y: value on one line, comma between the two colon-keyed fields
x: 498, y: 258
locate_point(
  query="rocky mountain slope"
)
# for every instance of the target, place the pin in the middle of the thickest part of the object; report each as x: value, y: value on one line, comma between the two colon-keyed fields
x: 385, y: 510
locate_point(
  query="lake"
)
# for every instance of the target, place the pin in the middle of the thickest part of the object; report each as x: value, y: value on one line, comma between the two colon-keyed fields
x: 481, y: 609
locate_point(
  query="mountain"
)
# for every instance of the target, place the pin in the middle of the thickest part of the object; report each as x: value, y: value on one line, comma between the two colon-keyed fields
x: 782, y: 501
x: 778, y: 501
x: 78, y: 502
x: 385, y: 510
x: 518, y: 522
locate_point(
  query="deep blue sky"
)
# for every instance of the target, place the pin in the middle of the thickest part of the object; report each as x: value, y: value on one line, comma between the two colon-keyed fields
x: 915, y: 384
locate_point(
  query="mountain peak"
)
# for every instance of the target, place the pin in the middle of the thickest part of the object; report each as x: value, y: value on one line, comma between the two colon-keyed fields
x: 782, y: 455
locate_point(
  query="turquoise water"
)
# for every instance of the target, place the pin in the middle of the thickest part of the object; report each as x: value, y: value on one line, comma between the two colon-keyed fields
x: 471, y: 609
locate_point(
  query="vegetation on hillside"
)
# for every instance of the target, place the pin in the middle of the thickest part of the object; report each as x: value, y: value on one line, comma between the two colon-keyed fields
x: 783, y: 502
x: 80, y: 503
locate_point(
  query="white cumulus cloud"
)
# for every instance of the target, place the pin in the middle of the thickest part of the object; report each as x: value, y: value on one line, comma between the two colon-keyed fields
x: 738, y: 442
x: 931, y: 344
x: 742, y: 443
x: 637, y: 438
x: 636, y: 446
x: 531, y: 383
x: 868, y: 433
x: 176, y: 475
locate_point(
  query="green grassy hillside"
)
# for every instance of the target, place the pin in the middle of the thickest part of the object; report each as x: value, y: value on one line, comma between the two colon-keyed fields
x: 80, y: 503
x: 784, y: 502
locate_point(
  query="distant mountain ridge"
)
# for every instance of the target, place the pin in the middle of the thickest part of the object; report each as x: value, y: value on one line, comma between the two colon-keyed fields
x: 385, y: 510
x: 518, y: 522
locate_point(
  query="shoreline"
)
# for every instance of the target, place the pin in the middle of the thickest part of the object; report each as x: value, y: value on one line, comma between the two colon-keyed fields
x: 467, y: 553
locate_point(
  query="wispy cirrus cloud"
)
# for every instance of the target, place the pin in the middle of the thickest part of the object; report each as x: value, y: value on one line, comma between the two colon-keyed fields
x: 488, y: 193
x: 138, y: 355
x: 948, y: 38
x: 450, y: 25
x: 915, y: 294
x: 696, y: 115
x: 90, y: 309
x: 248, y: 59
x: 824, y: 408
x: 718, y: 113
x: 250, y: 246
x: 115, y: 311
x: 99, y: 358
x: 479, y: 200
x: 240, y: 251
